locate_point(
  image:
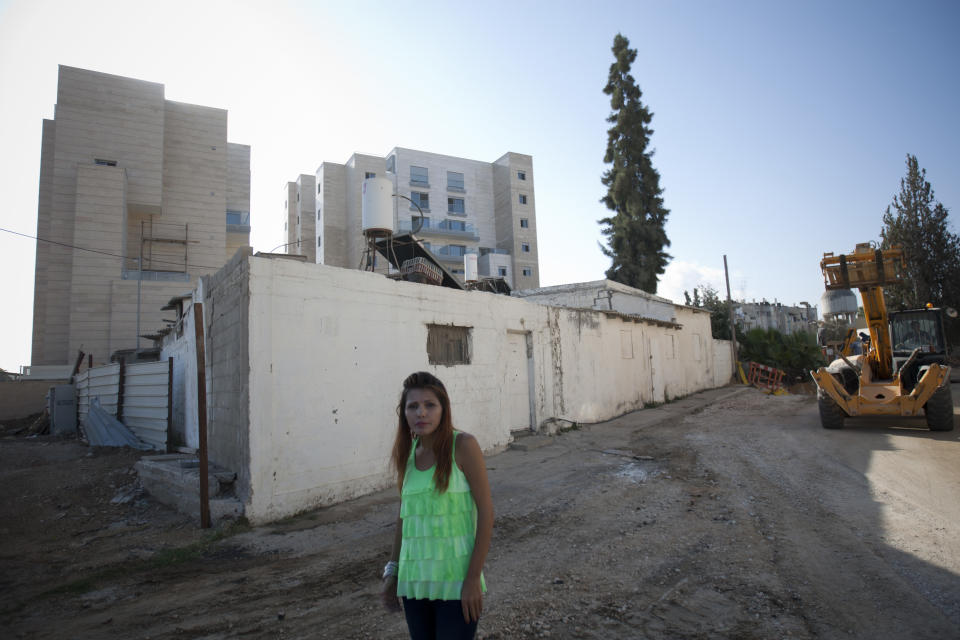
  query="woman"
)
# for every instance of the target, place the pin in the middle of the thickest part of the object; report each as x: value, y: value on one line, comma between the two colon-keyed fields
x: 446, y: 517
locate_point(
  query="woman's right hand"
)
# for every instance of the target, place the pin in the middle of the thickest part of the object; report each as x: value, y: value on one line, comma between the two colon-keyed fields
x: 388, y: 594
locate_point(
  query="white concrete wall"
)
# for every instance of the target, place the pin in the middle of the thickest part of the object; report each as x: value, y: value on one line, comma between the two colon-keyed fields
x: 723, y: 362
x: 183, y: 350
x: 604, y: 294
x: 329, y: 349
x: 307, y: 361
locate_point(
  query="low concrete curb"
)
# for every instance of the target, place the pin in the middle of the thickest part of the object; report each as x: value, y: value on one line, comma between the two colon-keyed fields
x: 174, y: 480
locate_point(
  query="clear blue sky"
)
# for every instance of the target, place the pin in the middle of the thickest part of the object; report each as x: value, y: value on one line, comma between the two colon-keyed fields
x: 781, y: 128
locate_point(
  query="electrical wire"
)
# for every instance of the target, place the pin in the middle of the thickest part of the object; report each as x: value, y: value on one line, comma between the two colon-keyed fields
x: 104, y: 253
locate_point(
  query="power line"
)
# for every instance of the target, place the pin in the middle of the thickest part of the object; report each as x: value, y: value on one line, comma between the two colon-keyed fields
x: 103, y: 253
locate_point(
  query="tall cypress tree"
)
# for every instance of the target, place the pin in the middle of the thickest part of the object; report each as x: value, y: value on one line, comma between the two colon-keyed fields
x: 635, y: 233
x: 919, y: 224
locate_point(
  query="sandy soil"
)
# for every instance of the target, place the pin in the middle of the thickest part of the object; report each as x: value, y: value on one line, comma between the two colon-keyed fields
x: 729, y: 514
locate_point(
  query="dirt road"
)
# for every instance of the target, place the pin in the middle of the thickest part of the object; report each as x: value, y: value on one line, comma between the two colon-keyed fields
x: 730, y: 514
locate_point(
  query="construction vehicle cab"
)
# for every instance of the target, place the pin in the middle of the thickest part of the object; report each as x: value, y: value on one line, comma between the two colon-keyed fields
x: 917, y: 329
x: 900, y: 373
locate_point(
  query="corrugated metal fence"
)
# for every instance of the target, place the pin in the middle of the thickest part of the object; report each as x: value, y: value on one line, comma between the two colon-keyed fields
x: 136, y: 394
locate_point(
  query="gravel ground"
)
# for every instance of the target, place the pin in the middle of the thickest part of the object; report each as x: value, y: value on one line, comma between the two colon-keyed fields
x: 728, y: 514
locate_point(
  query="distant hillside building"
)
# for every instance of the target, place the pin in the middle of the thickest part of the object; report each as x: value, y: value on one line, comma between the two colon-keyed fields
x: 774, y: 315
x: 136, y: 189
x: 469, y: 206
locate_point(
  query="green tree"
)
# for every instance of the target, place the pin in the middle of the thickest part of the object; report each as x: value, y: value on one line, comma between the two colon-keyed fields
x: 707, y: 297
x: 919, y: 224
x: 635, y: 234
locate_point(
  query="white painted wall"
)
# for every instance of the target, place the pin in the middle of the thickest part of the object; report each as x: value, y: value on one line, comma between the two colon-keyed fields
x: 328, y: 348
x: 604, y: 294
x: 723, y: 359
x: 183, y: 350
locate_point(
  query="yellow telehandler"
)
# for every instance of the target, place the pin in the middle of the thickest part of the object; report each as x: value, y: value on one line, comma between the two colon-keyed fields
x: 876, y: 383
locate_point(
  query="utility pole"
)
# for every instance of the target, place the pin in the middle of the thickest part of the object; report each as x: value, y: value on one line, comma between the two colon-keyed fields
x: 733, y: 326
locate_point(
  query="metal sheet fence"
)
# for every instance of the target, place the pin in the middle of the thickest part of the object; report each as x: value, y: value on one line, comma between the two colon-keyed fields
x: 138, y: 395
x: 146, y: 401
x: 100, y: 382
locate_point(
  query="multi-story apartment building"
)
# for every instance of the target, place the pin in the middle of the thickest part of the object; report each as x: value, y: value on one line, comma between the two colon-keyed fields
x: 139, y: 196
x: 775, y: 315
x: 299, y: 205
x: 465, y: 206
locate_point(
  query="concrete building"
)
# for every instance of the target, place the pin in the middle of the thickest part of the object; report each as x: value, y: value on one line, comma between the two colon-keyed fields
x: 141, y: 195
x: 305, y: 423
x: 468, y: 206
x: 775, y: 315
x: 300, y: 209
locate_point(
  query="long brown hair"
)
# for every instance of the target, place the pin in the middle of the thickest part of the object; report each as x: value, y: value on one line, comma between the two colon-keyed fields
x: 443, y: 436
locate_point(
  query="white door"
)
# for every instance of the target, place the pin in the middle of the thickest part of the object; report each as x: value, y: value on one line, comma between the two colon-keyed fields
x: 516, y: 383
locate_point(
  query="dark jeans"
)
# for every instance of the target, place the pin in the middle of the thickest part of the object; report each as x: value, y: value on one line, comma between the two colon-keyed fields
x: 437, y: 620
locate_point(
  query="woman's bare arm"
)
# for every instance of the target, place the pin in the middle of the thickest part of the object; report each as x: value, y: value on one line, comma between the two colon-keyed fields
x: 470, y: 459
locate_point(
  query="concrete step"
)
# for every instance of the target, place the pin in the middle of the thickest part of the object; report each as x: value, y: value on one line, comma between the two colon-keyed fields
x: 174, y: 480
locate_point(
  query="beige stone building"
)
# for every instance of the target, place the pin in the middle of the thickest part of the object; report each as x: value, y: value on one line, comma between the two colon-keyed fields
x: 299, y: 209
x: 139, y: 196
x: 468, y: 206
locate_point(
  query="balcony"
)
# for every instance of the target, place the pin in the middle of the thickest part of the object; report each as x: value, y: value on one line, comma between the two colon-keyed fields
x: 450, y: 254
x: 445, y: 229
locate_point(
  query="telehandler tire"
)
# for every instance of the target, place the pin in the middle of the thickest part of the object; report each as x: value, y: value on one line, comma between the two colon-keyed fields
x: 831, y: 415
x: 939, y: 409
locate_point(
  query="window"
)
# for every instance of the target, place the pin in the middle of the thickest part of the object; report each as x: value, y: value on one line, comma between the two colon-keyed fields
x: 521, y: 175
x: 318, y: 213
x: 454, y: 225
x: 105, y: 163
x: 456, y: 250
x: 319, y: 242
x: 523, y: 198
x: 392, y: 164
x: 238, y: 218
x: 524, y: 223
x: 456, y: 205
x: 458, y: 272
x: 369, y: 174
x: 502, y: 272
x: 298, y: 196
x: 425, y: 245
x: 454, y: 181
x: 626, y: 344
x: 422, y: 199
x: 448, y: 344
x: 527, y: 271
x: 418, y: 175
x: 525, y: 247
x: 319, y: 188
x: 415, y: 220
x: 298, y: 220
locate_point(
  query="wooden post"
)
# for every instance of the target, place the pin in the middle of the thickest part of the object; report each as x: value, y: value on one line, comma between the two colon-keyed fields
x: 733, y: 325
x: 121, y: 390
x: 202, y: 416
x: 169, y: 398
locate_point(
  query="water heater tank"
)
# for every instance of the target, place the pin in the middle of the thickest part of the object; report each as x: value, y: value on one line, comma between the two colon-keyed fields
x: 838, y: 301
x: 470, y: 267
x: 377, y: 205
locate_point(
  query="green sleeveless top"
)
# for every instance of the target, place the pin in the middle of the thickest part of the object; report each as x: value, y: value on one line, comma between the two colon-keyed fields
x: 439, y: 530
